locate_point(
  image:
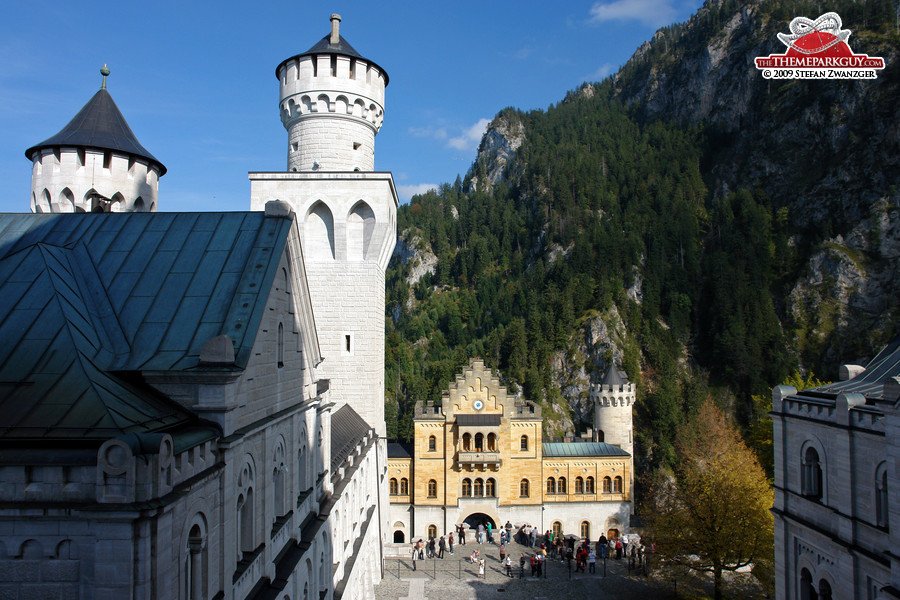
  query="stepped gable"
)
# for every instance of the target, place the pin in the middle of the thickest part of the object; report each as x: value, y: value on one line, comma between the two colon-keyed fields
x: 99, y: 124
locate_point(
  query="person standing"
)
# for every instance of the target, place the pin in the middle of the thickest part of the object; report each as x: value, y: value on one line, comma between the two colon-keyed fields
x: 592, y: 561
x: 490, y: 537
x: 508, y: 563
x: 415, y: 554
x: 442, y: 546
x: 533, y: 536
x: 502, y: 552
x: 450, y: 541
x: 481, y: 569
x: 462, y: 534
x: 601, y: 546
x: 479, y: 537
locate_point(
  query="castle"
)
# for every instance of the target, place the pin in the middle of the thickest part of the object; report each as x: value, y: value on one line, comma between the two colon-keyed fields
x: 479, y: 456
x: 192, y: 403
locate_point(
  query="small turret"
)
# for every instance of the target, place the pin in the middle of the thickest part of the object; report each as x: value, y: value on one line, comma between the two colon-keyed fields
x: 613, y: 399
x: 94, y: 164
x: 332, y: 105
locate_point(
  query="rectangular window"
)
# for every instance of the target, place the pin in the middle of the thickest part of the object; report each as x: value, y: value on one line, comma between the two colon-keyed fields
x: 347, y: 345
x: 107, y: 160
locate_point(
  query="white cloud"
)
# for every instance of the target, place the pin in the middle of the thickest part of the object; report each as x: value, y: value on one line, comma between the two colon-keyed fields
x: 408, y: 191
x: 438, y: 133
x: 604, y: 70
x: 470, y: 137
x: 654, y: 13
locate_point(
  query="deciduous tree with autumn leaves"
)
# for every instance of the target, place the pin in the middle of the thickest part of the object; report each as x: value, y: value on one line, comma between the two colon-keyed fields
x: 711, y: 514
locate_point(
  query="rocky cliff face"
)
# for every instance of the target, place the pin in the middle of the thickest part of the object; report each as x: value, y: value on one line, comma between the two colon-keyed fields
x: 495, y: 162
x: 828, y: 151
x: 599, y: 341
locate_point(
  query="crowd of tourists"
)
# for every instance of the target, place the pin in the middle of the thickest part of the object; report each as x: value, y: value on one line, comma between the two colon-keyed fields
x: 546, y: 547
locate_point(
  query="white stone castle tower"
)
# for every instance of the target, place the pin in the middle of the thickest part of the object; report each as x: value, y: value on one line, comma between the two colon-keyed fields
x: 613, y: 400
x: 331, y: 103
x: 95, y: 164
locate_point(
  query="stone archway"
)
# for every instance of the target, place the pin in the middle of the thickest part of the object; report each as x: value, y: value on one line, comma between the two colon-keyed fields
x: 475, y: 518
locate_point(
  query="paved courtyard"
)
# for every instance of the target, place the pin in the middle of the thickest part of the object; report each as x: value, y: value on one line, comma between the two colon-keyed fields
x: 455, y: 578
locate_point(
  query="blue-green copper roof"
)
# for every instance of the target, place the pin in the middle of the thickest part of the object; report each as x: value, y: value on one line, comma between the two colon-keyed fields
x: 86, y: 299
x: 565, y: 449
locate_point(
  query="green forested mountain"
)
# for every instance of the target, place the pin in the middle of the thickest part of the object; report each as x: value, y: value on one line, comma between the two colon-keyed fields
x: 724, y: 231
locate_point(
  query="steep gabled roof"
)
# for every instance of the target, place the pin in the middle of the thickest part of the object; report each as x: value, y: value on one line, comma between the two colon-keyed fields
x: 86, y: 299
x: 869, y: 383
x: 99, y: 124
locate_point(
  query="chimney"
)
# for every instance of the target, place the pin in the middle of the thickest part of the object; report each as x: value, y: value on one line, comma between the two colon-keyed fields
x: 335, y: 30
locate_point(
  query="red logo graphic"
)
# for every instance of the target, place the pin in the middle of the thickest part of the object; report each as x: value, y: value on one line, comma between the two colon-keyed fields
x: 818, y: 50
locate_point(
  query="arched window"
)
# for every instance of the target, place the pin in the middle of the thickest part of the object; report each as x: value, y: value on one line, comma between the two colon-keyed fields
x: 479, y: 442
x: 557, y: 529
x: 196, y: 567
x: 586, y: 530
x: 467, y: 442
x: 492, y: 442
x: 589, y: 486
x: 467, y: 487
x: 523, y: 488
x: 881, y: 495
x: 245, y: 521
x: 393, y: 486
x: 523, y: 443
x: 432, y: 531
x: 432, y: 443
x: 490, y: 488
x: 812, y: 474
x: 479, y: 487
x: 579, y: 485
x: 824, y: 590
x: 551, y: 485
x: 607, y: 485
x: 432, y: 488
x: 617, y: 485
x: 561, y: 485
x: 404, y: 486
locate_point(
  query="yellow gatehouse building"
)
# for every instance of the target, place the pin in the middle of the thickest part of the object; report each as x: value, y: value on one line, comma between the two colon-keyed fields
x: 479, y: 456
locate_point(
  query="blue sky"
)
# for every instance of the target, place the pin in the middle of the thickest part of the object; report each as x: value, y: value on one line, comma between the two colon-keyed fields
x: 196, y: 81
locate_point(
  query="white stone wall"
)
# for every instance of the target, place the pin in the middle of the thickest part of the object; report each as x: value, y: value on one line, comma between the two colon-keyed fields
x: 835, y: 538
x: 62, y: 181
x: 348, y: 233
x: 329, y: 104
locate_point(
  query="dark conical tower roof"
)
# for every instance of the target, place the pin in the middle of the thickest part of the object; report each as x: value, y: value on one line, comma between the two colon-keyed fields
x: 613, y: 378
x: 99, y: 125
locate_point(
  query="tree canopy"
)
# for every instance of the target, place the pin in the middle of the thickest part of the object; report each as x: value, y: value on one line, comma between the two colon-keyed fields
x: 712, y: 513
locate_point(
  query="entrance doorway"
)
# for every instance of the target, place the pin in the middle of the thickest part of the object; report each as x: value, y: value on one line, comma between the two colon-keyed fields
x: 399, y: 537
x: 612, y: 534
x: 476, y: 519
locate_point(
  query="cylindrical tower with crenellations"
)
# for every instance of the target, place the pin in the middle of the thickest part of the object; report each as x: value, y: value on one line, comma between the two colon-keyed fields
x: 332, y: 105
x: 613, y: 399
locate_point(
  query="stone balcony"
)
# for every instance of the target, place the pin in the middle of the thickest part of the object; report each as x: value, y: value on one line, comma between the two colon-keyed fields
x: 479, y: 459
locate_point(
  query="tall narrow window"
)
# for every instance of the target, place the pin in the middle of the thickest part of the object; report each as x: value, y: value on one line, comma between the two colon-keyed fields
x: 432, y: 488
x: 589, y: 485
x: 561, y: 485
x: 617, y: 485
x: 393, y: 486
x: 479, y: 487
x: 557, y: 529
x: 432, y: 443
x: 551, y: 485
x: 523, y: 443
x: 467, y: 487
x: 607, y: 485
x: 196, y: 564
x: 467, y: 441
x: 432, y: 531
x: 523, y: 488
x: 492, y: 442
x: 490, y: 488
x: 586, y: 530
x: 280, y: 349
x: 811, y: 483
x: 479, y: 442
x: 881, y: 495
x: 404, y: 486
x: 579, y: 486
